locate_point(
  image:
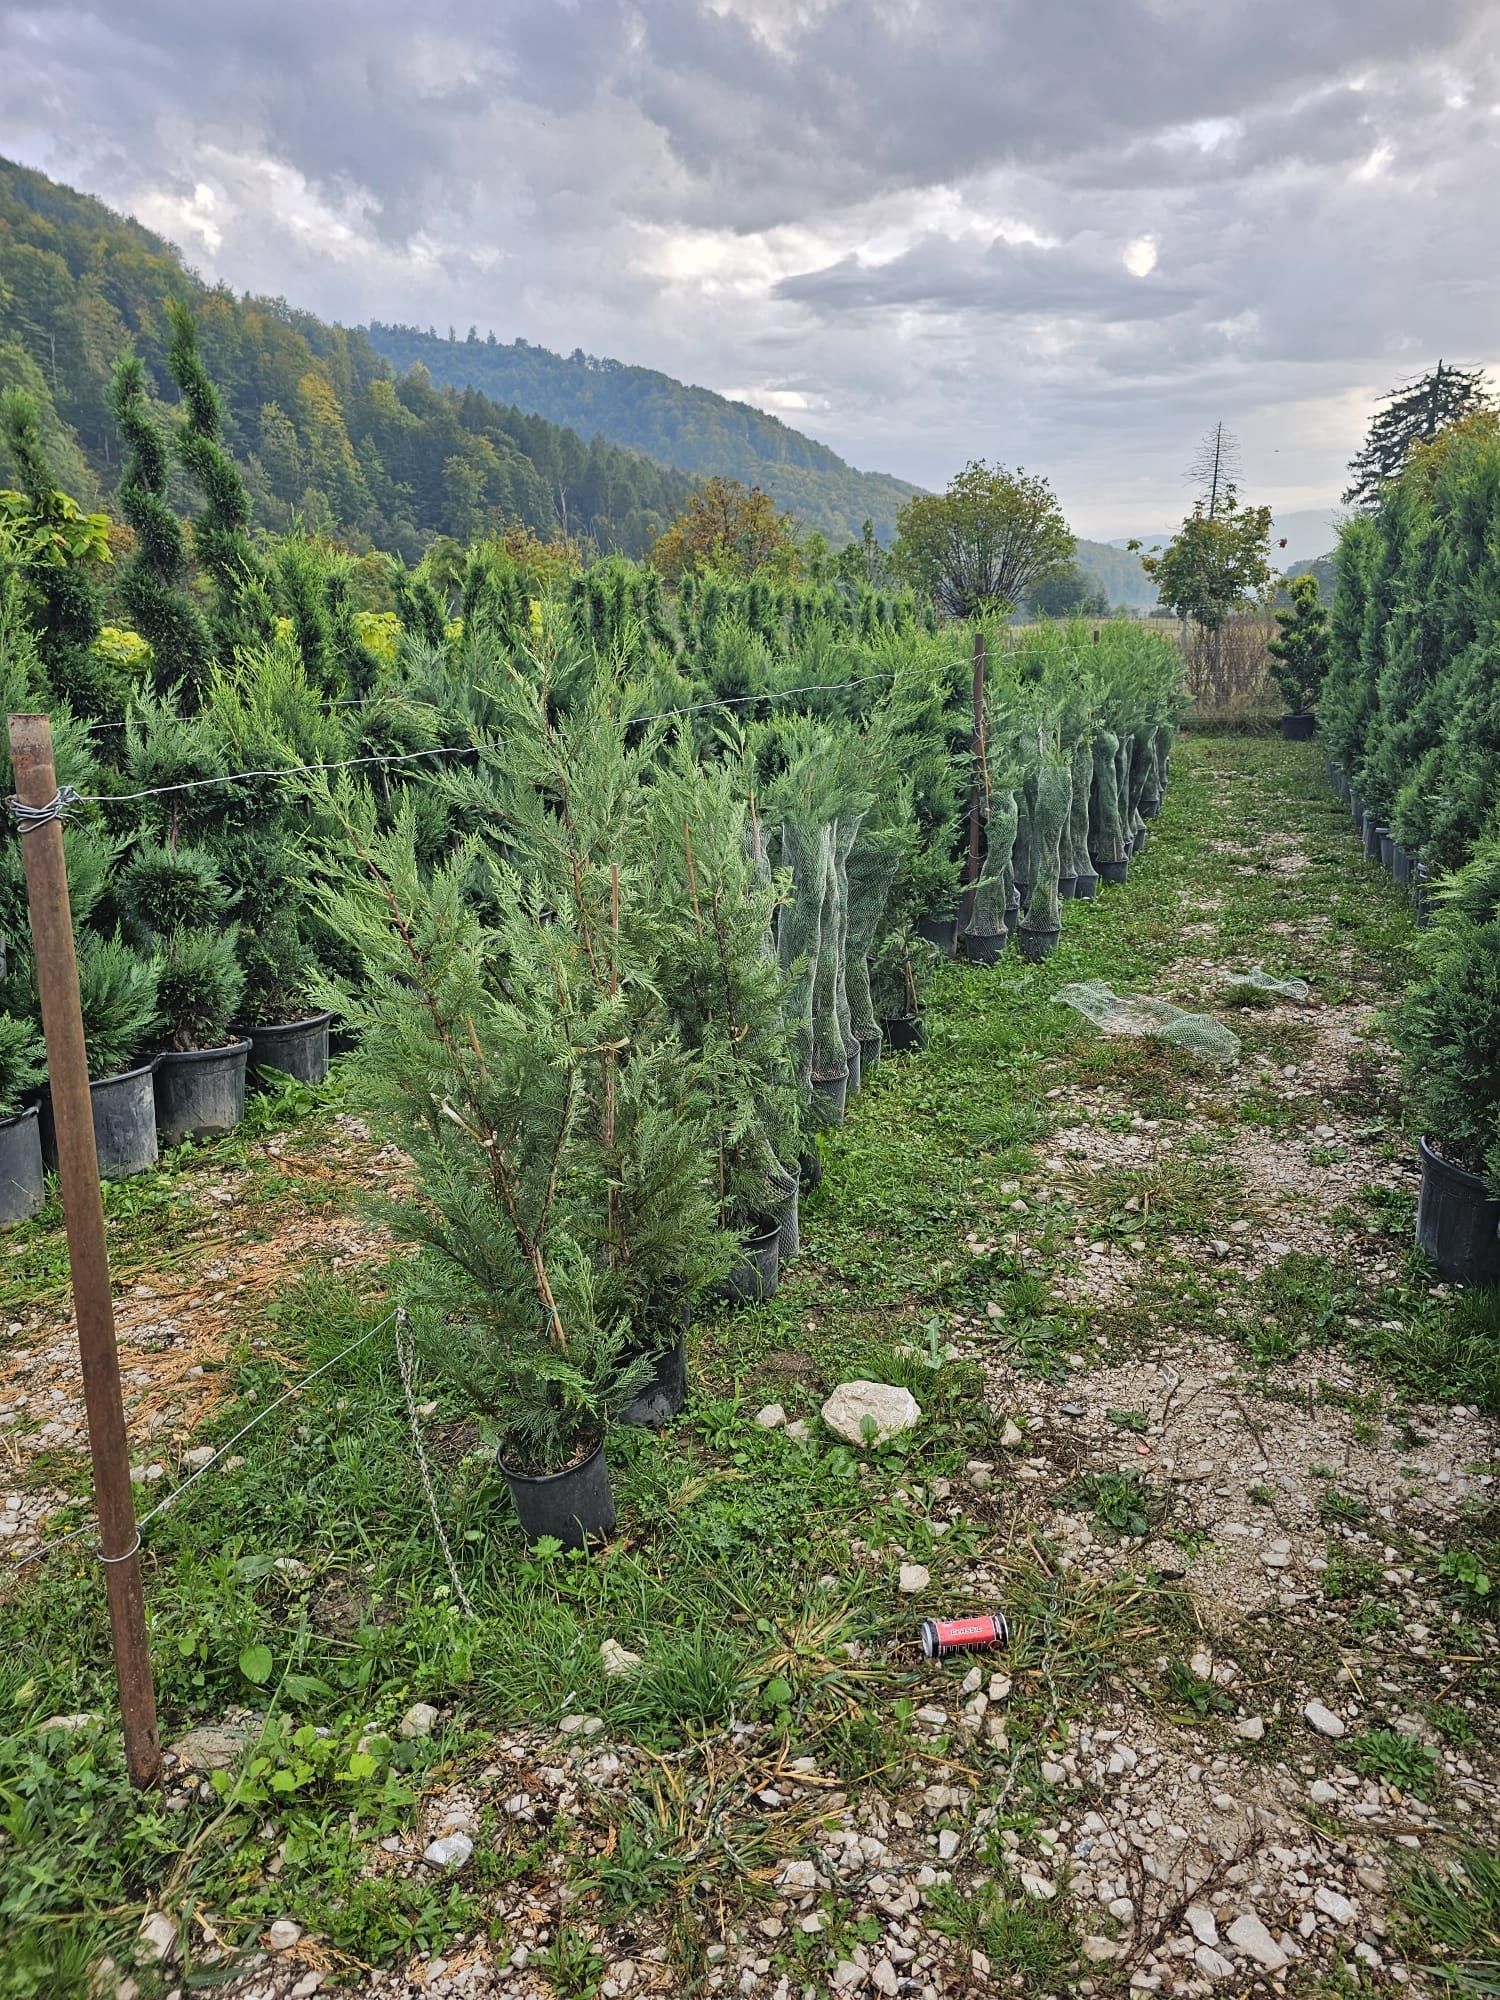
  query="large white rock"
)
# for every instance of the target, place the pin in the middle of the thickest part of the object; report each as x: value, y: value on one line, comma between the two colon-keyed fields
x: 452, y: 1851
x: 618, y: 1659
x: 1250, y: 1935
x: 913, y: 1579
x: 1332, y: 1904
x: 419, y: 1720
x: 890, y: 1410
x: 1324, y: 1720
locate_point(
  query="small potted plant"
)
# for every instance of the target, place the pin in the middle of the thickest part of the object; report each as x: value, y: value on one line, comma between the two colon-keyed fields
x: 1447, y: 1027
x: 900, y: 972
x: 23, y: 1064
x: 175, y: 900
x: 1300, y: 654
x: 1041, y: 926
x: 117, y: 991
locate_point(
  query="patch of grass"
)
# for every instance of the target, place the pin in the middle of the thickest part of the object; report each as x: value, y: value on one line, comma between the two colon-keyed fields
x: 1032, y: 1941
x: 1448, y: 1351
x: 1395, y: 1759
x: 1118, y: 1500
x: 1450, y: 1921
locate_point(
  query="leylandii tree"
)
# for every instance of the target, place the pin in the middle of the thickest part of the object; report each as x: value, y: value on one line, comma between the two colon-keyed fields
x: 476, y: 1047
x: 152, y: 585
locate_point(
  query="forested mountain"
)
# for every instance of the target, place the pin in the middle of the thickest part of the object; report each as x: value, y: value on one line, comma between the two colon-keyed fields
x: 1118, y: 574
x: 674, y: 422
x: 321, y: 423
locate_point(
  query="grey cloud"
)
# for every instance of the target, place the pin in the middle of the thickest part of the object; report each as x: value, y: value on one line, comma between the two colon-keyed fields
x: 600, y: 172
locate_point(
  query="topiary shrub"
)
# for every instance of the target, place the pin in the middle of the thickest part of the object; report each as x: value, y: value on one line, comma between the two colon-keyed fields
x: 199, y: 983
x: 1300, y: 651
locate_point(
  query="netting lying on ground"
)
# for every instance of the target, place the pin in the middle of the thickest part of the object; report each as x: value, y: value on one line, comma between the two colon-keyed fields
x: 1139, y: 1014
x: 1257, y: 981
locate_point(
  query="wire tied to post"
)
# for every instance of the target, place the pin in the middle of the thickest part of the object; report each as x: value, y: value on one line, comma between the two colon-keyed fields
x: 58, y: 807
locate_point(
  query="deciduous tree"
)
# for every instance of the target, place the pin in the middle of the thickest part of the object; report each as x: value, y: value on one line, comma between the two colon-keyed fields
x: 979, y: 547
x: 731, y: 528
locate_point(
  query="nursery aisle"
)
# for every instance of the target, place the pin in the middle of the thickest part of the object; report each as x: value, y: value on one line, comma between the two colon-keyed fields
x: 1193, y: 1417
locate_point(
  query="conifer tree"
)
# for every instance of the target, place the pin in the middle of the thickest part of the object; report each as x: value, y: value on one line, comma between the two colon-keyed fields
x: 1413, y: 414
x: 1299, y: 651
x: 152, y: 586
x: 243, y: 613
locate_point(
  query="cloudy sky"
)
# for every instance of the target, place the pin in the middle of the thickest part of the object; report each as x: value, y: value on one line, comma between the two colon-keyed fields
x: 1069, y: 235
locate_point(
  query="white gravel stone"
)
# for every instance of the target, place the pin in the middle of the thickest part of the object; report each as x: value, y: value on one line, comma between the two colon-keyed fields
x: 419, y: 1720
x: 158, y: 1935
x: 913, y: 1579
x: 1201, y: 1922
x: 771, y: 1418
x: 1212, y: 1964
x: 1324, y: 1720
x: 453, y: 1850
x: 283, y: 1934
x: 891, y: 1411
x: 1251, y: 1727
x: 1249, y: 1935
x: 618, y: 1659
x: 1332, y: 1904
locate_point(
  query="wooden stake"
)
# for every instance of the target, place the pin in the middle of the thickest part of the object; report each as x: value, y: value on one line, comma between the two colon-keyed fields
x: 978, y: 753
x: 88, y: 1259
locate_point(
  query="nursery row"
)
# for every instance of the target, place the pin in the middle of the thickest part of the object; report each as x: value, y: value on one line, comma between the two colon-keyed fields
x: 1411, y: 723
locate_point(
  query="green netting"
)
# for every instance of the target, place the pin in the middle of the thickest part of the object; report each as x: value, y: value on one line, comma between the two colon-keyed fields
x: 1142, y: 772
x: 1052, y: 803
x: 807, y: 856
x: 1020, y: 860
x: 1075, y: 855
x: 995, y: 889
x: 1257, y: 982
x: 1106, y: 835
x: 1122, y: 793
x: 846, y: 833
x: 871, y: 869
x: 1138, y: 1014
x: 830, y: 1049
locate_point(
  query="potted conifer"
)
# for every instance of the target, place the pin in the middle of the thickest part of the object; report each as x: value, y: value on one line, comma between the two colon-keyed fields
x: 900, y: 971
x: 1041, y: 926
x: 1300, y: 654
x: 1447, y: 1027
x: 23, y: 1064
x: 117, y: 990
x: 174, y: 900
x: 480, y: 1051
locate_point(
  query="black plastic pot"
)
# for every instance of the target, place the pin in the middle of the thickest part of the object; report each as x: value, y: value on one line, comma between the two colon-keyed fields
x: 1115, y: 871
x: 1149, y: 807
x: 1420, y: 885
x: 904, y: 1034
x: 983, y: 948
x: 942, y: 932
x: 1356, y: 807
x: 1037, y: 945
x: 665, y: 1394
x: 1067, y: 887
x: 810, y: 1169
x: 758, y: 1274
x: 869, y: 1054
x: 294, y: 1048
x: 1301, y: 727
x: 1085, y: 887
x: 200, y: 1093
x: 833, y: 1090
x: 1458, y: 1222
x: 23, y: 1186
x: 1012, y: 916
x: 573, y: 1506
x: 1400, y: 863
x: 1138, y: 840
x: 856, y: 1075
x: 124, y: 1123
x: 1369, y: 836
x: 1387, y: 851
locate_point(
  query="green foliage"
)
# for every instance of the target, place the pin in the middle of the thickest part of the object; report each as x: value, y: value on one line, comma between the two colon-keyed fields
x: 1447, y: 1027
x: 980, y: 547
x: 199, y: 983
x: 1402, y: 1761
x: 162, y: 888
x: 117, y: 987
x: 1216, y: 562
x: 1413, y: 415
x: 152, y: 586
x: 1300, y: 650
x: 23, y: 1062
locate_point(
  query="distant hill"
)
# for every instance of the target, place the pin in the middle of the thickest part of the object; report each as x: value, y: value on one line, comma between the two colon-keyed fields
x: 1118, y: 574
x: 322, y: 425
x: 673, y: 422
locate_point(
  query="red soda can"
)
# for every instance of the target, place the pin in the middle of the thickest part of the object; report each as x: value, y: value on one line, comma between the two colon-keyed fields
x: 942, y: 1636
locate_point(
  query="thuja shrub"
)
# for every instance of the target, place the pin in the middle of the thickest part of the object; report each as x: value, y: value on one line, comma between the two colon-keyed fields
x: 1447, y: 1028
